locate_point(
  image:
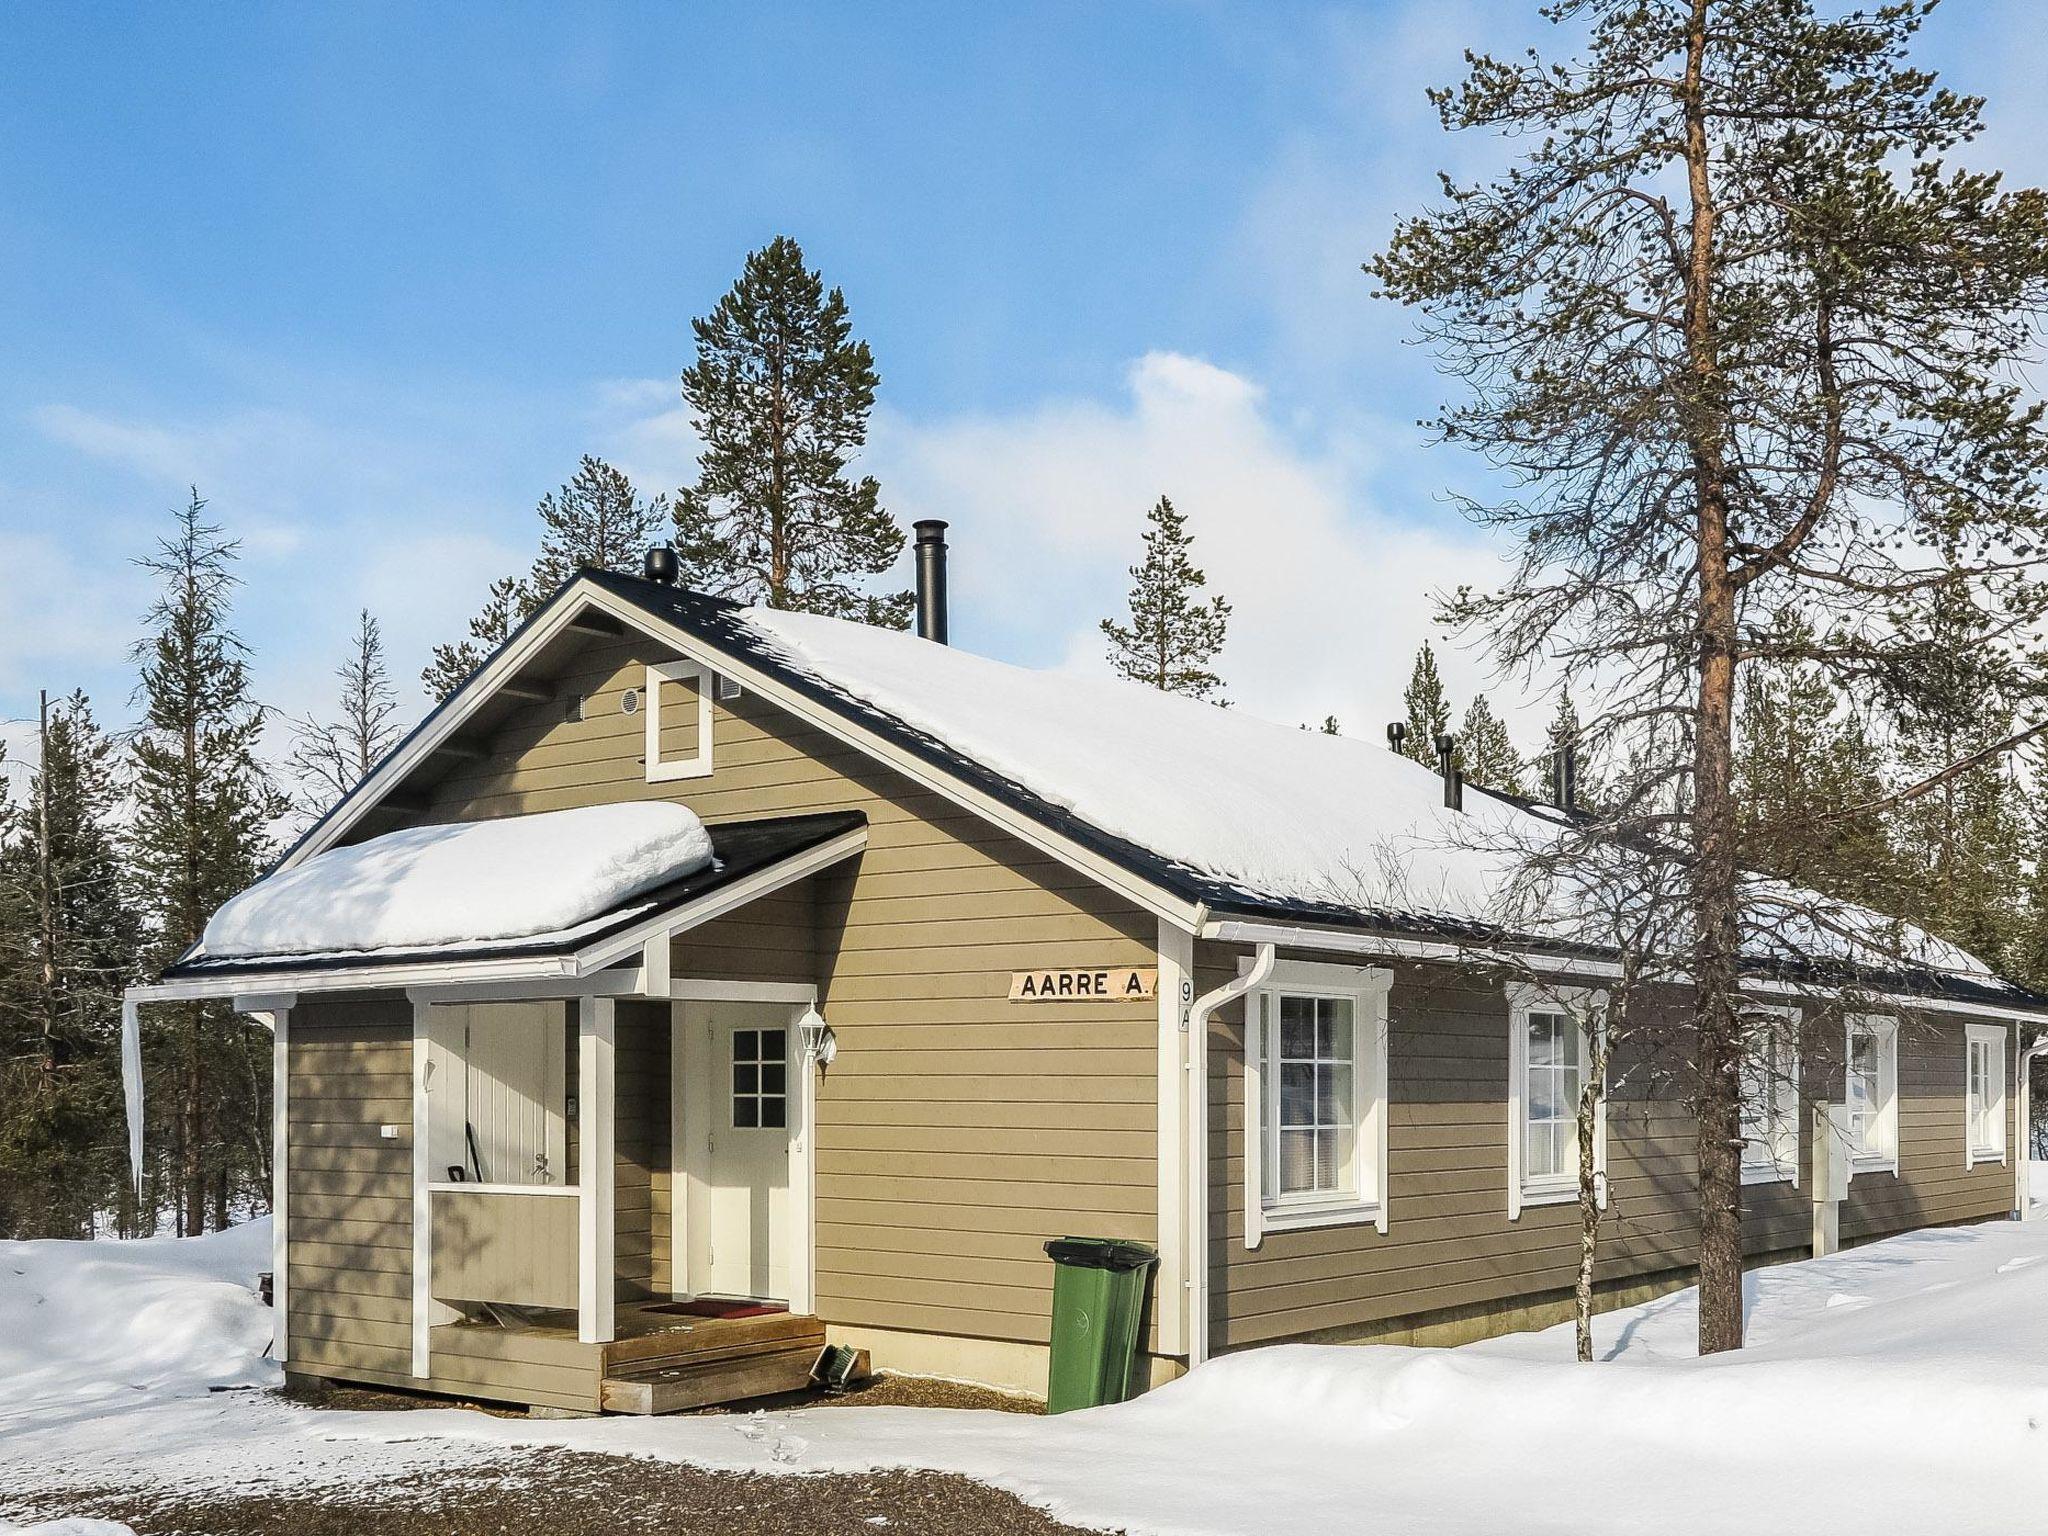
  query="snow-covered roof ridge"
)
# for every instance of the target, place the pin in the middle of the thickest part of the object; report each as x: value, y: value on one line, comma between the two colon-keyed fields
x: 473, y: 882
x: 1282, y: 815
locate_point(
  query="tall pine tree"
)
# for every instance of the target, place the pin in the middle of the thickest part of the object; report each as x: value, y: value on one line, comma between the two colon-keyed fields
x: 780, y: 395
x: 597, y: 521
x: 330, y: 757
x: 1486, y: 752
x: 1174, y: 632
x: 199, y: 834
x: 1429, y: 708
x: 67, y: 947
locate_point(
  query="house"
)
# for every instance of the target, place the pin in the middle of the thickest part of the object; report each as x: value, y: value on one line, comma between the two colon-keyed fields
x: 700, y: 984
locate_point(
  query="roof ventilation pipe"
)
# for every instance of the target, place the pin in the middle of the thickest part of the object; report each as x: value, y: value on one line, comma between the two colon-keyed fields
x: 1564, y: 778
x: 1397, y: 736
x: 1447, y: 765
x: 660, y: 565
x: 931, y: 578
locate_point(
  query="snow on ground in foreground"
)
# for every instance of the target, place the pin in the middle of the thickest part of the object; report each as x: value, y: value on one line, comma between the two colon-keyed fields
x: 1908, y: 1378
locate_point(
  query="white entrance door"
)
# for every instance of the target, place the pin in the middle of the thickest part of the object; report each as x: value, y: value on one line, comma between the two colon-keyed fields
x: 739, y: 1114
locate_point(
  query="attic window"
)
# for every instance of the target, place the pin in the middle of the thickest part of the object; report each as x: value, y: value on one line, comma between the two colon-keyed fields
x: 678, y: 714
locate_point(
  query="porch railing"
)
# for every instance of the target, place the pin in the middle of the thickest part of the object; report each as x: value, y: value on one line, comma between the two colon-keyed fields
x: 514, y: 1244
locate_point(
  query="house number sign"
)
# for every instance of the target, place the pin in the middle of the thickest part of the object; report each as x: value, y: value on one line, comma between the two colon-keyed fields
x: 1130, y: 984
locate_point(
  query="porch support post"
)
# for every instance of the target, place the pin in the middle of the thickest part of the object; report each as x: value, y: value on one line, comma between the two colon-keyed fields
x: 280, y: 1214
x: 596, y: 1033
x: 422, y: 1201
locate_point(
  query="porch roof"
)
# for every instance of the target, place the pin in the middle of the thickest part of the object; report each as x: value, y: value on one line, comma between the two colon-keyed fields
x: 749, y: 859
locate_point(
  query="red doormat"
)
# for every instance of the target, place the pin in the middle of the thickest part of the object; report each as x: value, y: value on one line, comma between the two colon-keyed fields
x: 711, y: 1306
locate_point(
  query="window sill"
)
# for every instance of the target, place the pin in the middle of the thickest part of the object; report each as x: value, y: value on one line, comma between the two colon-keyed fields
x: 1295, y: 1218
x: 1552, y: 1194
x: 1858, y: 1165
x: 1769, y: 1173
x: 1979, y: 1156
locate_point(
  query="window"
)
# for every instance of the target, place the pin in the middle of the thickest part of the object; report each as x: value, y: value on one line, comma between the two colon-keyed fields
x: 1871, y: 1094
x: 1770, y: 1095
x: 1315, y: 1098
x: 678, y: 713
x: 1984, y: 1103
x: 1550, y: 1050
x: 759, y: 1090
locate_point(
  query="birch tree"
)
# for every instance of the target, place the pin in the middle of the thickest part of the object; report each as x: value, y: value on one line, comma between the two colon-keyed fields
x: 330, y: 757
x: 1739, y: 336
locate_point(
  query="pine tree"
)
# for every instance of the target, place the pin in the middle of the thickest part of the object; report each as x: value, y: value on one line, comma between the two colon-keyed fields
x: 1429, y: 708
x: 1174, y: 633
x: 67, y: 946
x: 1330, y: 726
x: 203, y: 806
x: 781, y: 395
x: 595, y: 522
x: 330, y: 757
x: 1486, y: 752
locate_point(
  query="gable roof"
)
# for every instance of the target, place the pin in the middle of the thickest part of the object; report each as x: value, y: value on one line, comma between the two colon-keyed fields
x: 1195, y: 811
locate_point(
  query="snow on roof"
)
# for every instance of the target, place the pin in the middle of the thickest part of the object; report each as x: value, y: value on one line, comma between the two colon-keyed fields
x: 473, y: 882
x: 1280, y: 814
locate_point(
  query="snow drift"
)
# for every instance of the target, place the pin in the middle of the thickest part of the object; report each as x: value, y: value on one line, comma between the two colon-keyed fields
x: 473, y: 882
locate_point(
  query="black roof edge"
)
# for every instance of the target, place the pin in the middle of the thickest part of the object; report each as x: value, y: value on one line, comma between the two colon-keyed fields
x: 739, y: 849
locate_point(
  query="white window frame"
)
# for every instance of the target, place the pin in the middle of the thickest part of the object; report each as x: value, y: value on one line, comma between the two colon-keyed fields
x: 1993, y: 1038
x: 1779, y: 1167
x: 698, y: 764
x: 1884, y: 1027
x: 1366, y: 988
x: 1587, y: 1007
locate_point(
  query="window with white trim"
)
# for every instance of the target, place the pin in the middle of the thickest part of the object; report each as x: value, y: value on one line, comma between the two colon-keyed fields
x: 1871, y: 1093
x: 1984, y: 1099
x: 1315, y: 1098
x: 678, y: 713
x: 1550, y: 1051
x: 1770, y: 1095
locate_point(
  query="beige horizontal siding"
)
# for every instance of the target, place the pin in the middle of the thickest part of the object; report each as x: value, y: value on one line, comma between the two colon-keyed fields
x: 1450, y: 1243
x: 949, y: 1110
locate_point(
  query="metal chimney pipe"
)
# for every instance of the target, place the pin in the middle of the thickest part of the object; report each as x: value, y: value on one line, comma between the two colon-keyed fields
x: 1454, y: 781
x: 660, y: 565
x: 1397, y: 733
x: 931, y: 578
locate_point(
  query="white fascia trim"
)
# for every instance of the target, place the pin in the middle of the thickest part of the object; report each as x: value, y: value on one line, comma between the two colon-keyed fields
x: 764, y: 882
x: 1385, y: 946
x: 1367, y: 987
x: 576, y: 597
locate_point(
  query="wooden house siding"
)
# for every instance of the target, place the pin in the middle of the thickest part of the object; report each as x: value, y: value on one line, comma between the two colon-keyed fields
x: 956, y: 1131
x: 1450, y: 1245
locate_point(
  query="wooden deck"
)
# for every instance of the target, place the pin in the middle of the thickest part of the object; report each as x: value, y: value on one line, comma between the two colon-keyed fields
x: 663, y: 1362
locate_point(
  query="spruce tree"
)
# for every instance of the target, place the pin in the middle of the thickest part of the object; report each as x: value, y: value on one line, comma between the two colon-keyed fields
x: 1174, y: 632
x: 330, y: 757
x: 67, y: 947
x: 1429, y: 708
x: 200, y: 833
x: 780, y: 394
x: 1486, y: 752
x: 597, y: 521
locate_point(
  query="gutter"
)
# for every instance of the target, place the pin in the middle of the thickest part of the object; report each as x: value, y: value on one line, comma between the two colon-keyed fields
x: 1196, y: 1186
x: 2023, y: 1160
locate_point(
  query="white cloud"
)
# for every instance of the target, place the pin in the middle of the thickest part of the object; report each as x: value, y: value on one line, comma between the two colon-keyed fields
x: 1331, y: 595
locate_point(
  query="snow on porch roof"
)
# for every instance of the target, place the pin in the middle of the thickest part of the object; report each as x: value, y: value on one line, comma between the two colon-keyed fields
x: 542, y: 884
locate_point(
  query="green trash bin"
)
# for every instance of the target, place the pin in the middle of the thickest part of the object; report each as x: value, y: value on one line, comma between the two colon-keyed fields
x: 1098, y: 1302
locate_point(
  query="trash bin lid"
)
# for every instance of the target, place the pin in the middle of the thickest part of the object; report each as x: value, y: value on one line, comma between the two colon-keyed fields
x: 1100, y: 1253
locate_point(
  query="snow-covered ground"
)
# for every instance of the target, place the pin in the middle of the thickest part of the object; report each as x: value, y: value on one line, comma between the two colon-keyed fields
x: 1902, y: 1385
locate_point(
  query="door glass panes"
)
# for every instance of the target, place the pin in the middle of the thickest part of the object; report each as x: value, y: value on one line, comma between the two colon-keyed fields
x: 1550, y: 1097
x: 1314, y: 1069
x: 759, y: 1087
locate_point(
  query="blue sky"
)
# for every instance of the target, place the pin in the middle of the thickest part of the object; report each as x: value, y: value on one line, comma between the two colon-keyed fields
x: 372, y: 276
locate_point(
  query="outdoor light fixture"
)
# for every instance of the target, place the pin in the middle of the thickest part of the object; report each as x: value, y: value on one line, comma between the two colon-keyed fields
x: 820, y: 1044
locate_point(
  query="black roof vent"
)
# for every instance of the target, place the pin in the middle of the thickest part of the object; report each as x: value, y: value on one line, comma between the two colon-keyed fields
x: 661, y: 565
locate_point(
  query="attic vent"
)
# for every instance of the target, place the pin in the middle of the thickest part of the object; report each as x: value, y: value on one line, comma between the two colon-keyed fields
x: 572, y: 708
x: 629, y: 701
x: 728, y: 687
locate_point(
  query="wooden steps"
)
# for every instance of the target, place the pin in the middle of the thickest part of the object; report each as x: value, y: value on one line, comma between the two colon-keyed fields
x: 702, y: 1362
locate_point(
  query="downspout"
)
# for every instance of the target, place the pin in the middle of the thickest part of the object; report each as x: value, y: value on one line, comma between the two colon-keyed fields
x: 1196, y: 1190
x: 2023, y: 1162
